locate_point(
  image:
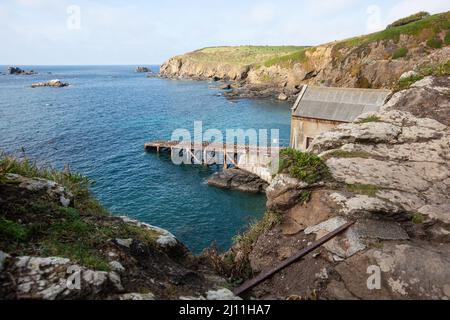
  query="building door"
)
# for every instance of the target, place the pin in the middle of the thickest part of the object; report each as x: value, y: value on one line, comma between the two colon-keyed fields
x: 309, y: 141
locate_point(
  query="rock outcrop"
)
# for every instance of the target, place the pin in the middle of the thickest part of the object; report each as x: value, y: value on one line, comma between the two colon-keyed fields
x: 52, y: 83
x: 389, y: 172
x: 142, y: 70
x: 18, y: 71
x: 237, y: 179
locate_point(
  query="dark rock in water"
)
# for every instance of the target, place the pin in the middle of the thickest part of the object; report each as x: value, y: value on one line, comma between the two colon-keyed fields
x: 142, y: 69
x: 215, y: 78
x: 225, y: 87
x: 18, y: 71
x: 237, y: 179
x: 52, y: 83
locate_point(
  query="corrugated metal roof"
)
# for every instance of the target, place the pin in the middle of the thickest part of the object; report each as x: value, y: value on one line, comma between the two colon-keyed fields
x: 338, y: 104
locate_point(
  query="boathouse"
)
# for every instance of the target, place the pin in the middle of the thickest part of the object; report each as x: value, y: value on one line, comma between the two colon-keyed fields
x: 320, y: 109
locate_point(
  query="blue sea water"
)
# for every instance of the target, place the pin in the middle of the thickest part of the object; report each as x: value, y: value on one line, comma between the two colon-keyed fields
x: 99, y: 125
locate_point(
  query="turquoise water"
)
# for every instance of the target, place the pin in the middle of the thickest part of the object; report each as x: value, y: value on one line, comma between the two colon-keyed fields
x: 99, y: 125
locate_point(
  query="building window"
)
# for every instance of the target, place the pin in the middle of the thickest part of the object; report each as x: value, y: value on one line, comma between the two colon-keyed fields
x: 309, y: 142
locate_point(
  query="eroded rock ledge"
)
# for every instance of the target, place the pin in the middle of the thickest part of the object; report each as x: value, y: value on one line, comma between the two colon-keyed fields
x: 390, y: 172
x: 236, y: 179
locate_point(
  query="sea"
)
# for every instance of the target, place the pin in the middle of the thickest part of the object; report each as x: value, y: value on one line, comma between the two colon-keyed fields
x: 98, y: 126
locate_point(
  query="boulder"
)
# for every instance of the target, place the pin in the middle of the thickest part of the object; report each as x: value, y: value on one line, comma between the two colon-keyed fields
x: 52, y: 83
x: 282, y: 97
x: 237, y: 179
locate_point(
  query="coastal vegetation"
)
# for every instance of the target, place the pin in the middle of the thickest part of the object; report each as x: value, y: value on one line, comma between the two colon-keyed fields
x: 433, y: 25
x: 400, y: 53
x: 407, y: 20
x: 304, y: 166
x: 243, y: 55
x: 436, y: 70
x: 34, y: 224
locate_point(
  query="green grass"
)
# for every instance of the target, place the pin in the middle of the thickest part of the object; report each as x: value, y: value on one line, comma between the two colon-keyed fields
x: 241, y: 55
x: 305, y: 196
x: 447, y: 38
x: 371, y: 118
x: 407, y: 20
x: 247, y: 239
x: 400, y: 53
x: 364, y: 189
x: 288, y: 60
x: 405, y: 83
x: 76, y: 251
x: 434, y: 43
x: 266, y: 78
x: 34, y: 224
x: 304, y: 166
x: 417, y: 218
x: 435, y: 23
x: 12, y: 231
x: 347, y: 154
x: 437, y: 70
x: 75, y: 183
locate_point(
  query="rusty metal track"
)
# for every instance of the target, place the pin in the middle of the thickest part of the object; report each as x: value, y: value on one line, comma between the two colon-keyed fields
x: 265, y: 275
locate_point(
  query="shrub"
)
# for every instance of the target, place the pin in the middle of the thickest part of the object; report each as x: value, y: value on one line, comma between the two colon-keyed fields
x: 365, y: 189
x: 434, y: 43
x: 10, y: 230
x: 417, y: 218
x: 400, y: 53
x: 407, y: 20
x: 304, y: 166
x: 447, y: 38
x: 371, y: 118
x: 405, y: 83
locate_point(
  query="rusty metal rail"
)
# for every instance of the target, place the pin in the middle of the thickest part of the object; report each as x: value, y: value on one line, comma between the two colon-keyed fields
x: 265, y: 275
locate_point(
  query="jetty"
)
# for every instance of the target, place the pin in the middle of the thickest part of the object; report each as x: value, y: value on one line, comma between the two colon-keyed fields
x: 254, y: 159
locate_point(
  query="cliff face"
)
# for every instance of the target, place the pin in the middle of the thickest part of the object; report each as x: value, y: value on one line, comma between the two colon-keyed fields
x: 371, y: 61
x: 389, y: 172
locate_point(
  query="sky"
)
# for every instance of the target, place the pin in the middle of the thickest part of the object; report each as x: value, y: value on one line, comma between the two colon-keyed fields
x: 94, y: 32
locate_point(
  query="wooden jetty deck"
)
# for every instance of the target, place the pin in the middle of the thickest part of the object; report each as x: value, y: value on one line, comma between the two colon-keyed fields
x: 204, y: 152
x: 208, y: 146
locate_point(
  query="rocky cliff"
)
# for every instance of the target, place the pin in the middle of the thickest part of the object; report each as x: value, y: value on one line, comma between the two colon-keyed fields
x: 372, y: 61
x: 390, y: 173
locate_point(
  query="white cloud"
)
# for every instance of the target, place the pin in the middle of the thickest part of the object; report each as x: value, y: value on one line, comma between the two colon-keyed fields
x: 261, y: 14
x: 328, y: 7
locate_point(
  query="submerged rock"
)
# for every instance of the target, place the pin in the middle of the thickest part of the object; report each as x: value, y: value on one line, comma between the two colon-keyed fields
x: 52, y: 83
x: 237, y: 179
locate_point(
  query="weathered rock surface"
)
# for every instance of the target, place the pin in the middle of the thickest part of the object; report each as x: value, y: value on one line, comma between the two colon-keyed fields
x: 391, y: 175
x: 428, y: 98
x: 237, y: 179
x: 52, y: 83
